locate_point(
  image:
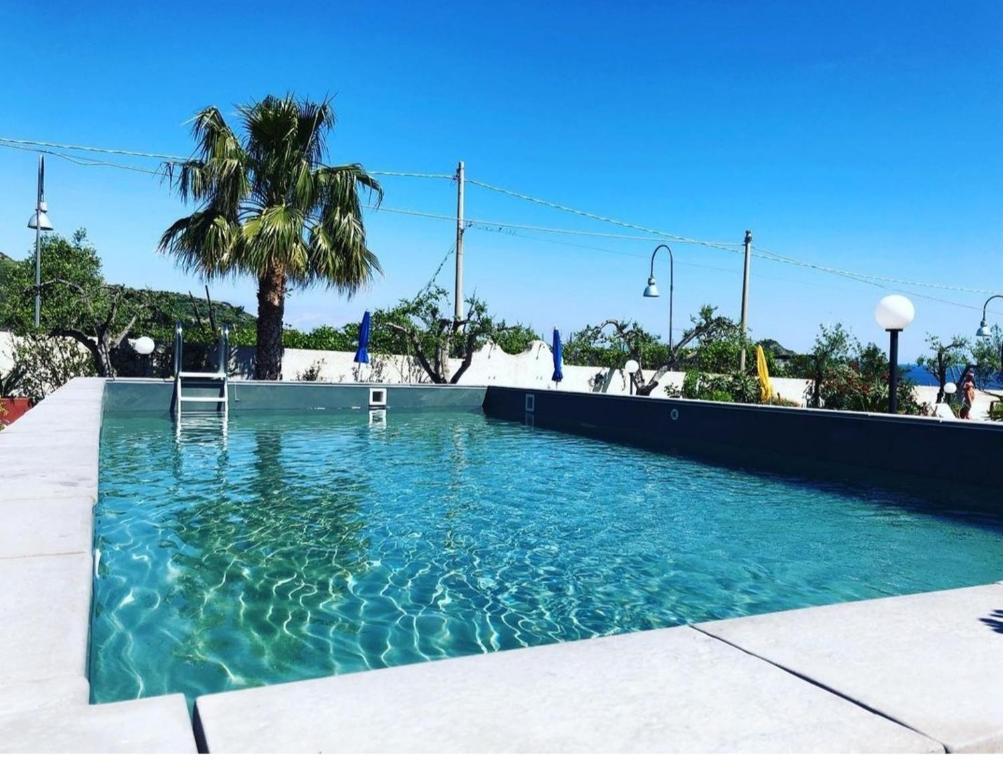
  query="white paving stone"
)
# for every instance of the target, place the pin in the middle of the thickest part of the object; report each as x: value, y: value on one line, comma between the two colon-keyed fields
x: 933, y: 661
x: 157, y: 724
x: 45, y: 604
x: 31, y: 527
x: 664, y: 690
x: 44, y: 694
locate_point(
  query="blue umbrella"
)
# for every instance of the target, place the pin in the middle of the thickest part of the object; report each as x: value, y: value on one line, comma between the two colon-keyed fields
x: 362, y: 354
x: 558, y: 373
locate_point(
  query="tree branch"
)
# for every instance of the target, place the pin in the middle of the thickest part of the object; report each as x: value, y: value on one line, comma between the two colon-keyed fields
x: 418, y: 353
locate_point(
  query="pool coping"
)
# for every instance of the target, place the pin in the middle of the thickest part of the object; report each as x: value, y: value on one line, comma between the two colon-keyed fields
x: 46, y: 556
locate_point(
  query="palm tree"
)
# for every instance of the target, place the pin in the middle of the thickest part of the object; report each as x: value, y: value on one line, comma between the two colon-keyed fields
x: 269, y: 207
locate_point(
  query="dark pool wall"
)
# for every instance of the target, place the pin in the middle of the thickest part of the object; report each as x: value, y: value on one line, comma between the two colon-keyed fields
x: 953, y: 455
x: 157, y: 396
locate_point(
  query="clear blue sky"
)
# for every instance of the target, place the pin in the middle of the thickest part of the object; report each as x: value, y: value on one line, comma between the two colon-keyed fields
x: 860, y: 135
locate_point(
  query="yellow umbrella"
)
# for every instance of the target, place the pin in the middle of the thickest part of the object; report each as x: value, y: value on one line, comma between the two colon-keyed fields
x: 765, y: 388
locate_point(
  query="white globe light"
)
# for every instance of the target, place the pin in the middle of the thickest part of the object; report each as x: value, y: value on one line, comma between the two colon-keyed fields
x: 894, y: 313
x: 950, y: 388
x: 143, y: 345
x: 631, y: 366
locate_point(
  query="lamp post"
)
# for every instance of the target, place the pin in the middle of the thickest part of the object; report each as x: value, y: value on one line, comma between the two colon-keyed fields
x: 985, y: 332
x: 38, y: 222
x: 651, y: 292
x: 894, y: 313
x: 143, y: 346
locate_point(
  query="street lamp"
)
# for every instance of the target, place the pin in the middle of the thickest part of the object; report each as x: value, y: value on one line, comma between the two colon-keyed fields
x: 894, y: 313
x: 651, y: 292
x: 984, y: 331
x: 39, y: 221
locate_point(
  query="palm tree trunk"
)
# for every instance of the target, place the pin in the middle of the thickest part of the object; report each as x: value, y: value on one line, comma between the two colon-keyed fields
x: 271, y: 308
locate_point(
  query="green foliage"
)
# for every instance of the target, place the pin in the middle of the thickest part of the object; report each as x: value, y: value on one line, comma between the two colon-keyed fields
x: 720, y: 387
x: 266, y: 200
x: 48, y: 363
x: 71, y: 261
x: 987, y: 353
x: 611, y: 344
x: 514, y: 339
x: 943, y: 355
x: 164, y: 308
x: 312, y: 373
x: 843, y: 374
x: 325, y: 337
x: 10, y: 382
x: 712, y: 344
x: 268, y: 206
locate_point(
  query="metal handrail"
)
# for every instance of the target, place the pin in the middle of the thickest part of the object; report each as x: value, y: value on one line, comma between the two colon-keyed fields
x: 224, y: 348
x: 178, y: 346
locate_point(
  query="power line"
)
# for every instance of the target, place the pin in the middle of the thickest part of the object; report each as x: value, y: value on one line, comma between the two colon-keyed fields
x: 86, y: 161
x: 33, y: 145
x: 81, y: 148
x: 773, y: 256
x: 593, y: 216
x: 50, y: 148
x: 414, y: 174
x: 492, y: 226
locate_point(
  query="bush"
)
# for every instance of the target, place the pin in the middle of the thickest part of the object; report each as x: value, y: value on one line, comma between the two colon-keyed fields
x: 312, y: 373
x: 995, y: 410
x: 720, y: 387
x: 47, y: 363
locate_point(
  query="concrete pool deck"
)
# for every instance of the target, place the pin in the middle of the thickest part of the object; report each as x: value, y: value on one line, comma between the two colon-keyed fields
x: 50, y: 464
x: 918, y: 673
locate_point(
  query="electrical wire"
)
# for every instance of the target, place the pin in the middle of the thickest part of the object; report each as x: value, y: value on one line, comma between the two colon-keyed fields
x: 593, y: 216
x: 414, y: 175
x: 51, y: 148
x: 773, y: 256
x: 503, y: 225
x: 81, y: 148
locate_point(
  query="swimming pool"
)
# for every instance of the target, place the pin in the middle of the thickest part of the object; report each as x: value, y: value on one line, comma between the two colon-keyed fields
x: 302, y: 545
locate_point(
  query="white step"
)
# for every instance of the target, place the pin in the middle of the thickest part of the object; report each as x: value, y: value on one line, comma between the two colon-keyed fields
x: 201, y: 375
x: 202, y: 399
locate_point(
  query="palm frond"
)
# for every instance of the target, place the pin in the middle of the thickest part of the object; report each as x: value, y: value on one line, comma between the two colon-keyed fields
x: 268, y: 203
x: 206, y: 242
x: 275, y: 239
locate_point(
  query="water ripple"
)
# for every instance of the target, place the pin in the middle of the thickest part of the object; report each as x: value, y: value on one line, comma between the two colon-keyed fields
x: 301, y: 546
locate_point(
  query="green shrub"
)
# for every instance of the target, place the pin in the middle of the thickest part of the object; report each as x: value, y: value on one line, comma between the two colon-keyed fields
x: 720, y: 387
x: 995, y: 410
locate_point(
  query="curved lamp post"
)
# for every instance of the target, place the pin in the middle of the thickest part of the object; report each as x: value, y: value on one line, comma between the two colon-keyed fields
x: 39, y: 222
x: 984, y: 332
x: 894, y: 313
x: 651, y: 292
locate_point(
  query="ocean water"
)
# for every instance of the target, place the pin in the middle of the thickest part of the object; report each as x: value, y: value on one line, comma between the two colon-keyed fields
x: 297, y: 546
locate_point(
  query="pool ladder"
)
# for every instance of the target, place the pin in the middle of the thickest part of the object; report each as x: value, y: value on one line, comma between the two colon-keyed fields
x: 222, y: 400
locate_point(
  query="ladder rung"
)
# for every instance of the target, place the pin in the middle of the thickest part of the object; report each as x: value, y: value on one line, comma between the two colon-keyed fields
x: 203, y: 399
x: 201, y: 375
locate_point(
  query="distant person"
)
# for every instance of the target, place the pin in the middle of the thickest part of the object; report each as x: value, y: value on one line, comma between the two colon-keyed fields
x: 967, y: 395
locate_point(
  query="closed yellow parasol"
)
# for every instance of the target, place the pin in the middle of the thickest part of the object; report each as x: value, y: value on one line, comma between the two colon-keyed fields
x: 765, y: 388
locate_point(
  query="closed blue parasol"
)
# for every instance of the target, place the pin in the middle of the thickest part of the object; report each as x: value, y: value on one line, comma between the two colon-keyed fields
x: 362, y: 353
x: 558, y: 373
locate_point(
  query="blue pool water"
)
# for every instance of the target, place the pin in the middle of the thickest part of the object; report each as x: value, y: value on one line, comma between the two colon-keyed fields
x: 301, y: 546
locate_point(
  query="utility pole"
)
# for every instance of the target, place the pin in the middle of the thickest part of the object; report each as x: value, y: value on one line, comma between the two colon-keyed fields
x: 458, y: 305
x: 745, y: 297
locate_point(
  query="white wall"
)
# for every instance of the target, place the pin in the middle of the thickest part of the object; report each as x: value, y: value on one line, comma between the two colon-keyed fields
x: 491, y: 365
